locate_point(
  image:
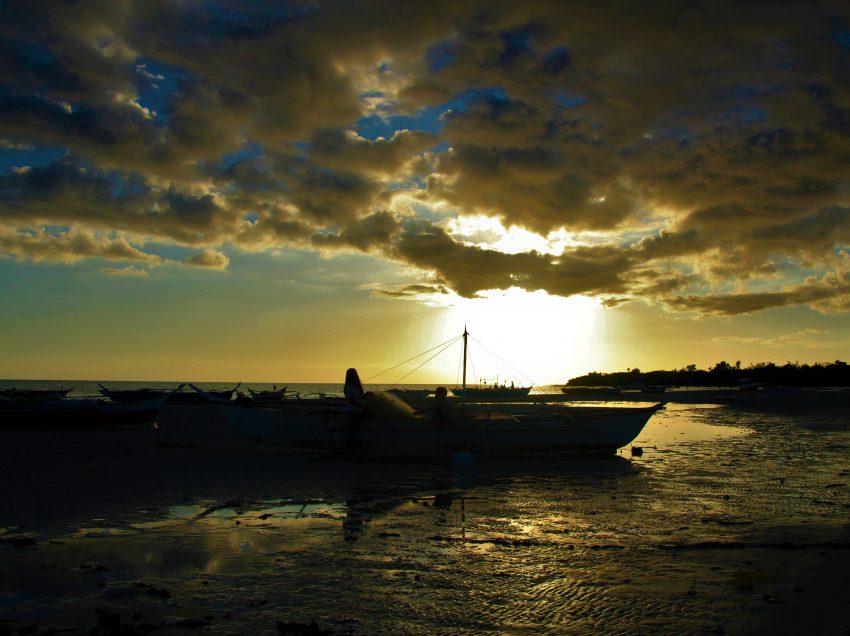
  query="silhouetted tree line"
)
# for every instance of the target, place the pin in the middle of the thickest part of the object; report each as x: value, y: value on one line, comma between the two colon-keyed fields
x: 724, y: 374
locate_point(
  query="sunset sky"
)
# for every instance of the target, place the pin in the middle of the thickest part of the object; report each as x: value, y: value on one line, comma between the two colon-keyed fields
x: 273, y: 192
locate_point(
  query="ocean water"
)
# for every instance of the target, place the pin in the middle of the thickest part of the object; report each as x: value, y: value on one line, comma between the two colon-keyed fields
x: 730, y: 520
x: 89, y: 388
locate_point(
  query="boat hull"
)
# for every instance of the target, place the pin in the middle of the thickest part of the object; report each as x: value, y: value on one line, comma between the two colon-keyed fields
x: 589, y: 390
x: 171, y: 396
x: 499, y: 432
x: 78, y: 413
x: 485, y: 392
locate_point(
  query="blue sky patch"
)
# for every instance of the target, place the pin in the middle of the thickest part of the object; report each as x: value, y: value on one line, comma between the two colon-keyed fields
x: 156, y: 83
x: 557, y: 60
x: 568, y: 100
x: 33, y: 157
x: 251, y: 150
x: 440, y: 56
x: 428, y: 119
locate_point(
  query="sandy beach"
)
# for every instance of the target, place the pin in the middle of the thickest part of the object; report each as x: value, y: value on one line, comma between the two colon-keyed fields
x: 733, y: 520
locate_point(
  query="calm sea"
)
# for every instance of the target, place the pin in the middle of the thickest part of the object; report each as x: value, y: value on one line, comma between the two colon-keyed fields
x: 89, y: 388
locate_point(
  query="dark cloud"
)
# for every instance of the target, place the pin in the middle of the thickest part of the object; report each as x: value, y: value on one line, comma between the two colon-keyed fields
x: 274, y: 227
x: 342, y: 150
x: 69, y: 193
x: 26, y: 114
x: 411, y: 291
x: 655, y: 283
x: 469, y: 269
x: 326, y: 196
x: 498, y: 122
x: 672, y: 244
x: 368, y: 234
x: 814, y: 234
x: 830, y: 293
x: 684, y: 152
x: 533, y: 188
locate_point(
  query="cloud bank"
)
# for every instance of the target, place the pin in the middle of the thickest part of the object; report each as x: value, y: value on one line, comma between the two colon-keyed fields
x: 670, y: 153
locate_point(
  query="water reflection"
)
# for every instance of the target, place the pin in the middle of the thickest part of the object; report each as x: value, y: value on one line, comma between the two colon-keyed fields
x: 679, y: 423
x: 237, y: 537
x: 567, y: 545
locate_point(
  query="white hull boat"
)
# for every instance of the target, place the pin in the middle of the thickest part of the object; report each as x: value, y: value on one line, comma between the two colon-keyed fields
x: 395, y: 429
x: 391, y: 427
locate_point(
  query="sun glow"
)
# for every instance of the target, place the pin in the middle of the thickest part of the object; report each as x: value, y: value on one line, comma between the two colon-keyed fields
x: 521, y: 337
x: 489, y: 233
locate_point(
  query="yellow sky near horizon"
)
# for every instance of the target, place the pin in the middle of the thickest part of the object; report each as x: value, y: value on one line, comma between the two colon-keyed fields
x: 515, y: 336
x: 273, y: 193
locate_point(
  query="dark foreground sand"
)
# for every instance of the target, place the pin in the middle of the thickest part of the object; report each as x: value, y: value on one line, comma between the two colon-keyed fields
x: 735, y: 519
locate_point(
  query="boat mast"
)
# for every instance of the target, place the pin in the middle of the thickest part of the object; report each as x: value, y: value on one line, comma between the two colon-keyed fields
x: 465, y: 336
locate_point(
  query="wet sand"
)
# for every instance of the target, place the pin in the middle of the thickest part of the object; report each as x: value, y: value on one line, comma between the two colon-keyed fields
x: 735, y: 519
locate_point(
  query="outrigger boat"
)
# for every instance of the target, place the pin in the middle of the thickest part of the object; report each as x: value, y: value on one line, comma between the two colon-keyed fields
x: 495, y: 391
x: 590, y: 390
x: 175, y: 396
x: 274, y: 395
x: 395, y: 428
x: 134, y: 395
x: 66, y: 413
x: 33, y: 394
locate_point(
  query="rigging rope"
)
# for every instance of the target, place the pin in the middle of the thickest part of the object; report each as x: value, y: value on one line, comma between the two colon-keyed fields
x: 444, y: 344
x: 442, y: 347
x: 448, y: 344
x: 506, y: 363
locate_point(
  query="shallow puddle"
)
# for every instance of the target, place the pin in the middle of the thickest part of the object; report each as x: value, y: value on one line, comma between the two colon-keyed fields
x: 679, y: 423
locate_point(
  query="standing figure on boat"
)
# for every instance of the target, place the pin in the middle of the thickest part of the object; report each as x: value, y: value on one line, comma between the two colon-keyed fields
x: 354, y: 394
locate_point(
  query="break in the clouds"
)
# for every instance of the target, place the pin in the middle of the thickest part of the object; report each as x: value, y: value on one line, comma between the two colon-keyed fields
x: 694, y: 155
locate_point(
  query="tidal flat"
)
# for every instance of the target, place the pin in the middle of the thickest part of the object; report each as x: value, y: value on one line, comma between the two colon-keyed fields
x: 732, y: 518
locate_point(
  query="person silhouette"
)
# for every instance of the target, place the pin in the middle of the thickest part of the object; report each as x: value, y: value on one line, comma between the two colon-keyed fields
x: 440, y: 408
x: 354, y: 393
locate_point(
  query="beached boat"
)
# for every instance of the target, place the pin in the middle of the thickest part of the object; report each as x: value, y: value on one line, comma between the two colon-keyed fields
x: 134, y: 395
x: 33, y: 394
x: 642, y: 387
x: 484, y: 392
x: 82, y: 412
x: 748, y: 384
x: 590, y: 390
x: 268, y: 396
x: 495, y: 391
x: 174, y: 396
x: 394, y: 428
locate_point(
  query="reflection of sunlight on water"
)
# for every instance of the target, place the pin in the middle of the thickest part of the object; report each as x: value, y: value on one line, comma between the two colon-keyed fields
x: 686, y: 423
x: 97, y: 532
x: 213, y: 539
